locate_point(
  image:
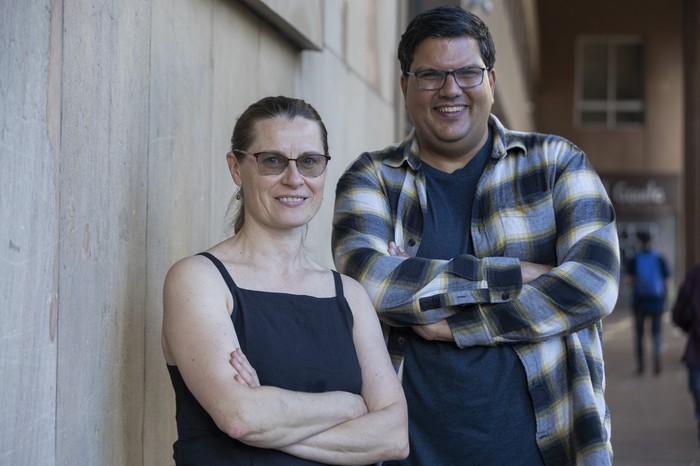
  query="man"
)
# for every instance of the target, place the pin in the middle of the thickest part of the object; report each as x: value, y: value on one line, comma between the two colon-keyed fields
x: 503, y: 261
x: 648, y: 274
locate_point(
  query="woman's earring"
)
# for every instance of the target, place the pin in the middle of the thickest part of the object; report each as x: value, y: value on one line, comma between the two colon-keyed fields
x: 238, y: 196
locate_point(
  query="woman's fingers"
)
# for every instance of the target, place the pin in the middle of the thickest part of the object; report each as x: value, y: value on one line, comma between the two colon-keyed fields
x: 246, y: 372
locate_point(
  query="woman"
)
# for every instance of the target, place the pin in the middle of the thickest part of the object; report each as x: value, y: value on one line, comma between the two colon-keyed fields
x: 274, y: 358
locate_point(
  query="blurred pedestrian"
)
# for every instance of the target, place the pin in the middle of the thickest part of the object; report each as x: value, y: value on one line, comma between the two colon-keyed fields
x: 648, y: 274
x: 685, y: 315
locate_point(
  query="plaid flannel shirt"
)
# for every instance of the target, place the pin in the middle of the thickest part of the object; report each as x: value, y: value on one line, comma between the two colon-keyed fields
x: 539, y: 201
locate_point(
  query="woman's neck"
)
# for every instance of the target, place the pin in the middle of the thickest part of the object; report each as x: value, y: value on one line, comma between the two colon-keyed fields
x: 277, y: 250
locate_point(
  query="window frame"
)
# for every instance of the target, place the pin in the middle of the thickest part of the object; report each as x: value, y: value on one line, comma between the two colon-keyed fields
x: 610, y: 105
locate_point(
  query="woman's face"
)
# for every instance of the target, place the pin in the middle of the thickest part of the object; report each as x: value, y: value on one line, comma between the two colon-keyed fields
x: 287, y: 200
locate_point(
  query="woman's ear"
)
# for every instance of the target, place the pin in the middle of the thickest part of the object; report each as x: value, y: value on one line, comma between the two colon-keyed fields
x: 233, y: 168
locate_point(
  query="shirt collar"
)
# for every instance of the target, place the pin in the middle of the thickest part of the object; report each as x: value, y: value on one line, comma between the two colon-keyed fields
x: 504, y: 141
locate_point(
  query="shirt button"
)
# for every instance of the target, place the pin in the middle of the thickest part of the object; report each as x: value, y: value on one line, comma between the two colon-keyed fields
x: 401, y: 341
x: 411, y: 242
x: 505, y: 296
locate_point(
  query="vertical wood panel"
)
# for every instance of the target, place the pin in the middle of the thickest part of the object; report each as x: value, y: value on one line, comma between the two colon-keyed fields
x: 103, y: 220
x: 234, y: 88
x: 240, y: 77
x: 28, y: 233
x: 178, y: 183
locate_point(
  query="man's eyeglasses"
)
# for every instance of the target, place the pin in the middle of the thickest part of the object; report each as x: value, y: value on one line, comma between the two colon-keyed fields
x: 432, y: 80
x: 274, y: 163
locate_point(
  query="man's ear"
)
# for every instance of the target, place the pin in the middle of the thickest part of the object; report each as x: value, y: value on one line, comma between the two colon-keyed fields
x: 492, y: 82
x: 404, y: 85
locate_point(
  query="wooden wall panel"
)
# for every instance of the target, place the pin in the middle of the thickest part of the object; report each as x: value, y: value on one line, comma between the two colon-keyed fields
x: 178, y: 183
x: 234, y: 89
x: 241, y: 75
x: 103, y: 208
x: 115, y: 124
x: 29, y: 122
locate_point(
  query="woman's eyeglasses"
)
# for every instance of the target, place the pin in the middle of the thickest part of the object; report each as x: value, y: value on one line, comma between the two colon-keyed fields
x: 274, y: 163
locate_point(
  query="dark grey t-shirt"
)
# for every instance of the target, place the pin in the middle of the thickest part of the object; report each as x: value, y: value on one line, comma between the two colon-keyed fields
x: 466, y: 406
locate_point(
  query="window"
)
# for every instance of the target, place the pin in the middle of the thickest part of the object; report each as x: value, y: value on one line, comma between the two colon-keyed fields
x: 609, y: 82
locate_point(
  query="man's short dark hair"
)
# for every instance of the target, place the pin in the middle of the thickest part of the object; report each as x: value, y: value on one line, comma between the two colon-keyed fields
x: 444, y: 22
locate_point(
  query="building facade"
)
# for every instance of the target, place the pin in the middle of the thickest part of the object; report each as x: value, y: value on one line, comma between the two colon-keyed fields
x: 115, y: 124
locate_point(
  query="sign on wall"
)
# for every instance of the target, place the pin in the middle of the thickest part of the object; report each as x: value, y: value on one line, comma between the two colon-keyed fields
x: 643, y: 195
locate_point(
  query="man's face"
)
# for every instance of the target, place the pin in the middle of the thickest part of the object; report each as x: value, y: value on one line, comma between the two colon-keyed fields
x: 451, y: 122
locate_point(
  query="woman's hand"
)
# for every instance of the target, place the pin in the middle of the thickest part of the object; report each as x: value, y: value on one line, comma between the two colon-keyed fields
x: 246, y: 373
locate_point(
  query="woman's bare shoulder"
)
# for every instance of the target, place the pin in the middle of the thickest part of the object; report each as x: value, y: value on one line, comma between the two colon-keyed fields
x: 356, y: 294
x: 190, y: 267
x: 193, y: 274
x: 351, y: 284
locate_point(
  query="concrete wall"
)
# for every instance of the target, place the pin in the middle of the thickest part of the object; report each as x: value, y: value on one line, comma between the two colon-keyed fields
x: 514, y: 32
x: 115, y: 124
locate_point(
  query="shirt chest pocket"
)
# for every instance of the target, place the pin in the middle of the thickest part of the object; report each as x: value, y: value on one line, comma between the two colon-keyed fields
x: 526, y: 228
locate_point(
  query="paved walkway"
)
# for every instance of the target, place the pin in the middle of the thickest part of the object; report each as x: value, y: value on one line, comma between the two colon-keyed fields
x: 652, y: 416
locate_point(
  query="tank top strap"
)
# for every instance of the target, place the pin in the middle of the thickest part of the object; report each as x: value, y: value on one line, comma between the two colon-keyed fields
x: 338, y: 284
x: 222, y: 270
x: 340, y: 295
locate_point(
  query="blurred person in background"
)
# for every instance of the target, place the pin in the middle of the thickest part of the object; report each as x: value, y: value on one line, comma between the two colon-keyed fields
x: 686, y: 315
x: 648, y: 275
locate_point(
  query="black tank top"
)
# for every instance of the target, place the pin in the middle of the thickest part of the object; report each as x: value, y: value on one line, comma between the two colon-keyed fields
x: 295, y: 342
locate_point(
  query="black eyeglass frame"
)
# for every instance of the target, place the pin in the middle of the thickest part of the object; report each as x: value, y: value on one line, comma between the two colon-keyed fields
x: 286, y: 164
x: 445, y: 74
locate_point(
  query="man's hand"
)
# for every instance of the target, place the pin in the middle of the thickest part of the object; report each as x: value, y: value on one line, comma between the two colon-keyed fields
x: 531, y: 271
x: 439, y: 331
x: 396, y: 251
